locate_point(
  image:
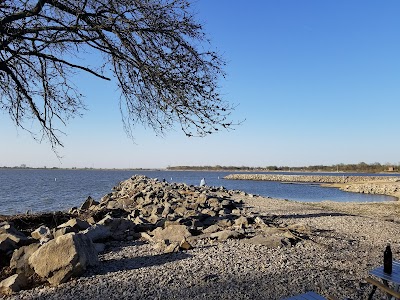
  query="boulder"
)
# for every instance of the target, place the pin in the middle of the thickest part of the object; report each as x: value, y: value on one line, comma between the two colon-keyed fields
x: 120, y: 228
x: 202, y: 199
x: 242, y: 221
x: 97, y: 232
x: 127, y: 203
x: 114, y: 205
x: 225, y: 223
x: 42, y: 233
x: 14, y: 234
x: 214, y: 203
x: 88, y: 203
x: 172, y: 233
x: 66, y: 256
x: 76, y: 224
x: 13, y: 284
x: 19, y: 261
x: 62, y: 231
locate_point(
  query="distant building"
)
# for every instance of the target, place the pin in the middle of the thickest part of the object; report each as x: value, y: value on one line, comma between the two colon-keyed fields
x: 23, y: 166
x: 390, y: 169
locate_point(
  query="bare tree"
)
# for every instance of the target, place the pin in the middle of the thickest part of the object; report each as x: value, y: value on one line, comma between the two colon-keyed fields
x: 154, y: 49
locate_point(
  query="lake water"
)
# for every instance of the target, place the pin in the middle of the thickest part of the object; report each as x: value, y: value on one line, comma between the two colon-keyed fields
x: 51, y: 190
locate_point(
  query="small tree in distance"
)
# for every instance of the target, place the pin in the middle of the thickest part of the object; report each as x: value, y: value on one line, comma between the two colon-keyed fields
x: 153, y: 49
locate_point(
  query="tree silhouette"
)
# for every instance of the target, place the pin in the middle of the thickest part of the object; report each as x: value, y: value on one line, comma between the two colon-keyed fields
x: 154, y: 50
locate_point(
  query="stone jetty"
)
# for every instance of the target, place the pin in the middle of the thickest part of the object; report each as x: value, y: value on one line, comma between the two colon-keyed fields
x: 312, y: 178
x: 382, y: 185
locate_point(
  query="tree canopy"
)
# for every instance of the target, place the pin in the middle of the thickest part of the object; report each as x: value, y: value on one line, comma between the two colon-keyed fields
x: 155, y: 50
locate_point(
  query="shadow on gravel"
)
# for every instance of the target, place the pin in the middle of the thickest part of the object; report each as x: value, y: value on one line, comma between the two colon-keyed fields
x: 318, y: 215
x: 125, y: 264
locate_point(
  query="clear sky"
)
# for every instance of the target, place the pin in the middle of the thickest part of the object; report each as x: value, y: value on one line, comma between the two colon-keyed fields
x: 318, y: 82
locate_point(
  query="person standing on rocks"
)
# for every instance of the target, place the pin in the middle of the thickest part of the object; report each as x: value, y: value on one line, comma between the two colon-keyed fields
x: 202, y: 182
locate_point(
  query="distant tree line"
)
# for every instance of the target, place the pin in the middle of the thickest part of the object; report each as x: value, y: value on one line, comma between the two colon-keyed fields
x: 361, y: 167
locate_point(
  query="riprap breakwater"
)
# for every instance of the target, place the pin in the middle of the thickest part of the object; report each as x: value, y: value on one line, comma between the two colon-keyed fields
x: 312, y: 178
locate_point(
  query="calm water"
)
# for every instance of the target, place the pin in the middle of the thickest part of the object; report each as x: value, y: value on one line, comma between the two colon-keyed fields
x: 50, y: 190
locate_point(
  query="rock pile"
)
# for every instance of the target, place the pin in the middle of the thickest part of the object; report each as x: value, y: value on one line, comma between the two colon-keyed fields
x: 172, y: 217
x: 311, y: 178
x: 392, y: 189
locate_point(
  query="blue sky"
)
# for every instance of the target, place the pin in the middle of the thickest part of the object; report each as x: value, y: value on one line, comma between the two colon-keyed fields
x: 318, y: 82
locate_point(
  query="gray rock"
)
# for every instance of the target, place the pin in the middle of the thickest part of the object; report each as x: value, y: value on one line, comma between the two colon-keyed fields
x: 213, y: 202
x: 42, y: 233
x: 113, y: 204
x: 172, y: 233
x: 202, y: 199
x: 242, y: 221
x: 97, y: 232
x: 62, y: 231
x: 76, y: 224
x: 88, y: 203
x: 60, y: 259
x: 14, y: 234
x: 19, y: 261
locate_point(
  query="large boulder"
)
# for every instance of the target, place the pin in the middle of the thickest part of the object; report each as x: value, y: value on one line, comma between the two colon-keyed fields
x: 19, y: 262
x: 66, y: 256
x: 97, y: 232
x: 120, y: 228
x: 172, y: 233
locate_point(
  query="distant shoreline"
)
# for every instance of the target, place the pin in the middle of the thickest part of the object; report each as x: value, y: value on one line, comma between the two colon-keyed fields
x: 82, y: 169
x: 200, y: 170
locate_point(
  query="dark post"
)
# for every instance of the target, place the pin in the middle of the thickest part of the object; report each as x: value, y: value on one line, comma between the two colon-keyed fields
x: 387, y: 260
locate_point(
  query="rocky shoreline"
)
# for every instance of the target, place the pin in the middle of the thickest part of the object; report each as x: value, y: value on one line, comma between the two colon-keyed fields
x: 157, y: 240
x: 312, y: 178
x: 382, y: 185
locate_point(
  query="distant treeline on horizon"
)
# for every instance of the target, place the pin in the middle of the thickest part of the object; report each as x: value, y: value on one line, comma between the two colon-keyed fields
x: 359, y: 168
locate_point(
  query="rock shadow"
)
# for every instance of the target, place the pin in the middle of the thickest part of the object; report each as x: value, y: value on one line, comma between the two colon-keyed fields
x: 126, y: 264
x: 315, y: 215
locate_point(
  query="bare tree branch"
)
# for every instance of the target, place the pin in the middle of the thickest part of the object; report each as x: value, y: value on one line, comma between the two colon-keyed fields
x: 153, y: 47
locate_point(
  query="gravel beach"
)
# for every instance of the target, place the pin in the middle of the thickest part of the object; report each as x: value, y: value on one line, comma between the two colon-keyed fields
x: 344, y: 241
